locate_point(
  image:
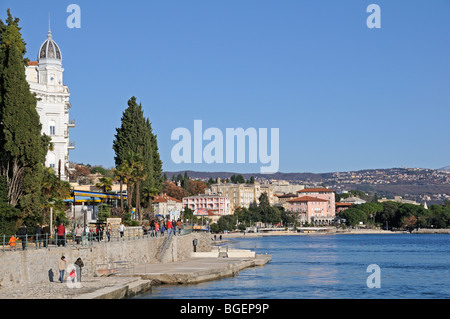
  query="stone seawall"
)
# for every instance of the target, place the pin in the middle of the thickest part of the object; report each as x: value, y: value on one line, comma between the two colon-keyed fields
x: 41, y: 265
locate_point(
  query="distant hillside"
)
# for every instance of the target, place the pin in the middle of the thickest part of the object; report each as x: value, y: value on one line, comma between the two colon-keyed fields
x: 280, y: 176
x: 412, y: 183
x: 446, y: 168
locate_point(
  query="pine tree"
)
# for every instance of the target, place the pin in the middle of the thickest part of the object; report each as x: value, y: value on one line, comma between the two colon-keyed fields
x: 22, y: 147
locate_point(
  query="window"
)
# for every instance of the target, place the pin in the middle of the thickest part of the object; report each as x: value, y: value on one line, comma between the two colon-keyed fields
x: 51, y: 160
x: 52, y: 127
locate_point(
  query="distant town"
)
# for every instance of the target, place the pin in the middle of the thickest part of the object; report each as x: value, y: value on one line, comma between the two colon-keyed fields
x: 414, y: 184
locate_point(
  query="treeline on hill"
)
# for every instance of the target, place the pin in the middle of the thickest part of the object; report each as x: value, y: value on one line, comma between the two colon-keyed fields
x: 393, y: 215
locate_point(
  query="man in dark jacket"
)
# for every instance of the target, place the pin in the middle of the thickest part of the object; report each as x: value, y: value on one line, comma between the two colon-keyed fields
x: 46, y: 234
x: 22, y: 233
x: 38, y: 234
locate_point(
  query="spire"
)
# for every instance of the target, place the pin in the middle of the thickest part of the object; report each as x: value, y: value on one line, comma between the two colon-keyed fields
x: 49, y: 34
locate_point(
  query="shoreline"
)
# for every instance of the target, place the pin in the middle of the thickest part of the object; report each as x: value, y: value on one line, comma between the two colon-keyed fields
x: 329, y: 232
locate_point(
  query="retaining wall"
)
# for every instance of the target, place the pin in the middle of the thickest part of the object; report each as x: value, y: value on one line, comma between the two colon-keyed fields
x: 41, y: 265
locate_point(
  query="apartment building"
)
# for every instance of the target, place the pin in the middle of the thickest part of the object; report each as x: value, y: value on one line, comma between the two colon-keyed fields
x: 242, y: 195
x: 214, y: 203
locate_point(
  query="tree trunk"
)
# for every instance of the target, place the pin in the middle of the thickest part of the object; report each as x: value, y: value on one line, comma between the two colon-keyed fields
x: 138, y: 199
x: 130, y: 196
x: 121, y: 195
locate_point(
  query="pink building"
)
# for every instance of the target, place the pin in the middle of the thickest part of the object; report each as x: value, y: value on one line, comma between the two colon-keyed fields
x: 315, y: 205
x: 213, y: 203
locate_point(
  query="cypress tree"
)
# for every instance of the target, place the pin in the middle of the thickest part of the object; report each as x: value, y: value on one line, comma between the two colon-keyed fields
x: 22, y: 147
x: 135, y: 136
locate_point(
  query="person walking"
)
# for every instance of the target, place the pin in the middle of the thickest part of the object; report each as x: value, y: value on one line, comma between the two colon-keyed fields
x: 78, y: 234
x: 46, y: 235
x: 179, y: 224
x: 62, y: 268
x: 38, y: 235
x: 156, y: 229
x: 23, y: 235
x: 109, y: 231
x: 169, y: 228
x: 79, y: 264
x: 152, y: 228
x: 86, y: 236
x: 121, y: 229
x: 163, y: 228
x: 61, y: 233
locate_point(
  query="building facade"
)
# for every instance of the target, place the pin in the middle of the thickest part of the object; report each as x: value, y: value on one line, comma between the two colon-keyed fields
x: 314, y: 205
x: 45, y: 77
x: 217, y: 204
x: 243, y: 195
x: 164, y: 205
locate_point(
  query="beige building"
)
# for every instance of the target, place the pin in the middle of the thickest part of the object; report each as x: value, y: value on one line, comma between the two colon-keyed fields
x: 284, y: 187
x: 242, y: 195
x: 399, y: 199
x: 165, y: 205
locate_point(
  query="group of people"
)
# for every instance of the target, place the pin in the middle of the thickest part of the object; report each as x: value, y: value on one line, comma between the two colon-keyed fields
x: 42, y: 235
x: 159, y: 228
x: 91, y: 233
x: 75, y: 272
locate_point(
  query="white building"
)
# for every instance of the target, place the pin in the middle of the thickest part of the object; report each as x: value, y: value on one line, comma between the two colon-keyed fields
x: 45, y: 77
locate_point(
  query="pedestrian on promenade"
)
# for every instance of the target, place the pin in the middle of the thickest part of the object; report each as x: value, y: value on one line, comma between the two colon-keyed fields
x: 38, y: 234
x: 55, y: 230
x: 152, y: 228
x: 78, y: 234
x: 156, y: 228
x: 62, y: 268
x: 86, y: 235
x: 12, y: 242
x: 61, y: 233
x: 121, y: 229
x: 46, y: 234
x: 109, y: 231
x: 179, y: 225
x: 79, y: 264
x: 101, y: 230
x: 163, y: 228
x: 169, y: 228
x: 23, y: 232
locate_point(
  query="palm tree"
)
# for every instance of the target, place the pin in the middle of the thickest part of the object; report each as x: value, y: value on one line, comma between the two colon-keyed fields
x: 121, y: 173
x: 105, y: 184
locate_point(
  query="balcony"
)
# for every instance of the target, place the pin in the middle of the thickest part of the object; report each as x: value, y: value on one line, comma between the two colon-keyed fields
x: 71, y: 123
x: 71, y: 145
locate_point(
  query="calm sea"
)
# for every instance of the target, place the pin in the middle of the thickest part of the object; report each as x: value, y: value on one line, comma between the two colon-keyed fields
x: 411, y: 266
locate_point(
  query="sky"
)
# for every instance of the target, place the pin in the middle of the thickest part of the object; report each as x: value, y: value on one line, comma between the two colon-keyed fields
x: 342, y: 95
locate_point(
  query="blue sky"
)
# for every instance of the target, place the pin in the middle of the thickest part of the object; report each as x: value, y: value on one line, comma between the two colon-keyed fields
x: 344, y: 97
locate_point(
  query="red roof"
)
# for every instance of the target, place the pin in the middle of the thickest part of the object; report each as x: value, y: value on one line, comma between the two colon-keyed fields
x: 164, y: 198
x: 343, y: 204
x: 307, y: 199
x: 315, y: 190
x: 32, y: 63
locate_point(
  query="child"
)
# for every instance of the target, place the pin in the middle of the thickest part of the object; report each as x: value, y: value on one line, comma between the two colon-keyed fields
x: 12, y: 242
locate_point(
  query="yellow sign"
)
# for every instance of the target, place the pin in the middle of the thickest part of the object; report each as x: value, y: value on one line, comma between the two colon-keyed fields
x: 115, y: 222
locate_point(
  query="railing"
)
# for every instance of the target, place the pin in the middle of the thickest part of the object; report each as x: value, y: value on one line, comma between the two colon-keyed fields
x: 47, y: 241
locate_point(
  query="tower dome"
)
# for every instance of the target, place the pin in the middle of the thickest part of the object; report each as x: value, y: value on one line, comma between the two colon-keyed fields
x: 49, y: 49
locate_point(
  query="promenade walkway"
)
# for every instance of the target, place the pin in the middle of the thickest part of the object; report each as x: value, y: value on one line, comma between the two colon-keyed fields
x: 137, y: 279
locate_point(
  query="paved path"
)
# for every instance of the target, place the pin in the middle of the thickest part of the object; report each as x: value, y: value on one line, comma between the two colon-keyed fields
x: 137, y: 278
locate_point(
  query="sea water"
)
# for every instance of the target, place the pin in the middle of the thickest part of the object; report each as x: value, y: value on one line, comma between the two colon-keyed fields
x: 332, y: 266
